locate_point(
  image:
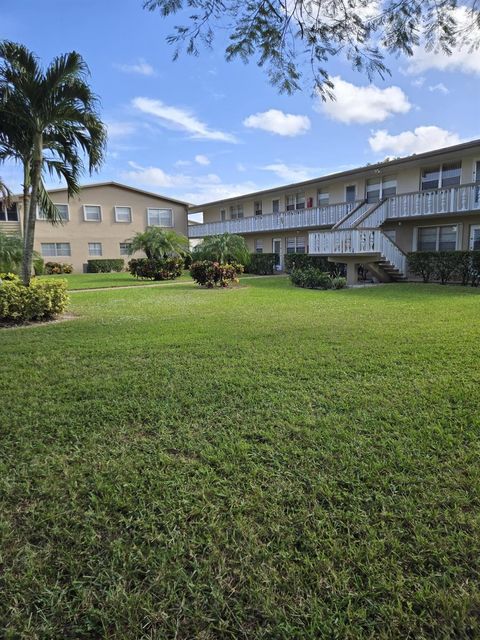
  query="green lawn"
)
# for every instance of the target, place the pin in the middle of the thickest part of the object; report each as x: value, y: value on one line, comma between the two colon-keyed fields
x: 263, y: 462
x: 100, y: 280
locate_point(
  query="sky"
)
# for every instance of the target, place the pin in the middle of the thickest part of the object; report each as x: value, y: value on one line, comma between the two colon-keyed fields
x: 200, y: 129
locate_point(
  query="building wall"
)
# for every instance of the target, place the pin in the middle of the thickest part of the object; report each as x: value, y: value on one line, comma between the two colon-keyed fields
x: 109, y: 233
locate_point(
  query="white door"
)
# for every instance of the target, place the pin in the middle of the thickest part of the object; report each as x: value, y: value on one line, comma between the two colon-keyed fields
x: 476, y: 180
x: 474, y: 237
x: 277, y: 250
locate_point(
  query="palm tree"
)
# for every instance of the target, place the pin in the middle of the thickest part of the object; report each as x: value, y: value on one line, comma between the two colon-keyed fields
x: 159, y: 243
x: 11, y: 252
x: 5, y: 196
x: 49, y: 122
x: 226, y: 247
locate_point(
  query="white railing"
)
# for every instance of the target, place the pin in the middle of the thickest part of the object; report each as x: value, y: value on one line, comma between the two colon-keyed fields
x: 297, y: 219
x: 344, y: 242
x: 351, y: 220
x: 393, y: 254
x: 424, y: 203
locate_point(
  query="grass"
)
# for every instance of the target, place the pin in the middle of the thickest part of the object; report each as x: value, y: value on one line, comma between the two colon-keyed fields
x: 263, y: 462
x: 106, y: 280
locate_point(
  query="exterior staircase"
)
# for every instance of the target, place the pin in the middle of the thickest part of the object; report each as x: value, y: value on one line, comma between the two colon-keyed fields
x: 357, y: 237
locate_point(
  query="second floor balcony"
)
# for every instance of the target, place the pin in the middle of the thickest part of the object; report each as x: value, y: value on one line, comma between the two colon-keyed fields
x: 296, y: 219
x: 458, y: 199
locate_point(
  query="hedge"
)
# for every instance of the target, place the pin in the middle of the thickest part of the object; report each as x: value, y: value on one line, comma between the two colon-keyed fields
x: 42, y: 300
x: 263, y: 264
x: 152, y: 269
x: 463, y: 266
x: 304, y: 260
x: 313, y: 278
x: 52, y: 268
x: 211, y: 274
x: 105, y: 265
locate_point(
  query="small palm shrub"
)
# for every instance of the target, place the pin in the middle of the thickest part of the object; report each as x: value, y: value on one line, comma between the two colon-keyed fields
x: 213, y: 274
x: 42, y: 300
x: 156, y: 269
x: 338, y: 282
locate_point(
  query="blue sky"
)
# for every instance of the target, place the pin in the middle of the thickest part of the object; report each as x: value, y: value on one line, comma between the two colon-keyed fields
x: 201, y: 129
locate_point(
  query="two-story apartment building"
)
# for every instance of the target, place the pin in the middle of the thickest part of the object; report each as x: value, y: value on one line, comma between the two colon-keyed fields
x: 98, y: 223
x: 373, y: 215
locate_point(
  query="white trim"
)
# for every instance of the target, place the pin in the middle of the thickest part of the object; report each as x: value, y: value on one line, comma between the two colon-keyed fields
x: 92, y: 205
x: 163, y: 226
x: 473, y: 228
x: 355, y: 195
x: 278, y: 267
x: 122, y: 206
x: 55, y: 204
x: 56, y: 254
x: 95, y: 255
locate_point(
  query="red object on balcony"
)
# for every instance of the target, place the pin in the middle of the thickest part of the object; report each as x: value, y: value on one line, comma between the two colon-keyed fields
x: 309, y: 203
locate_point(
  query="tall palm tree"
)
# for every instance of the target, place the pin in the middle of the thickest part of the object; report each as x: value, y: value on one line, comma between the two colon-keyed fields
x: 159, y: 243
x: 49, y: 123
x: 226, y: 247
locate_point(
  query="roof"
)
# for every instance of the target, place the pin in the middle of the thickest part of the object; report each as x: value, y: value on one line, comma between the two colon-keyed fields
x: 378, y: 166
x: 123, y: 186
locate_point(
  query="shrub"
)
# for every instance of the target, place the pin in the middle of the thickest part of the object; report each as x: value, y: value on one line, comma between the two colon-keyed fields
x: 311, y: 278
x: 67, y: 268
x: 187, y: 261
x: 105, y: 265
x: 475, y: 268
x: 38, y: 265
x: 153, y: 269
x: 303, y: 260
x: 447, y: 264
x: 262, y: 264
x: 338, y: 282
x: 42, y: 300
x: 210, y: 274
x: 422, y: 263
x: 9, y: 277
x: 226, y: 248
x: 55, y: 268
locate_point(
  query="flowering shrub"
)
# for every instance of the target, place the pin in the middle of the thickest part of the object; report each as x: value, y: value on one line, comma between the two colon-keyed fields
x: 42, y: 300
x: 55, y: 268
x: 213, y: 274
x: 156, y: 269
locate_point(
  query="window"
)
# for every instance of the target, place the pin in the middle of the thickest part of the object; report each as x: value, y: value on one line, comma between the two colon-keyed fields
x: 62, y: 210
x: 125, y: 248
x: 10, y: 214
x: 257, y: 207
x: 442, y: 238
x: 258, y: 246
x: 379, y: 188
x: 92, y: 213
x: 350, y: 193
x: 275, y: 206
x: 295, y: 201
x: 323, y: 198
x: 236, y: 211
x: 123, y: 214
x: 58, y: 249
x: 446, y: 175
x: 159, y: 217
x: 94, y: 248
x: 296, y: 244
x: 223, y: 215
x: 475, y: 237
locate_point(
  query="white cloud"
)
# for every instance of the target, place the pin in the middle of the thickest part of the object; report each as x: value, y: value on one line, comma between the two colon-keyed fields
x: 197, y: 189
x: 178, y: 118
x: 241, y: 167
x: 439, y: 87
x: 291, y: 173
x: 201, y: 159
x: 418, y: 82
x: 417, y: 141
x: 141, y: 68
x: 275, y: 121
x: 120, y: 129
x: 360, y: 105
x: 463, y: 58
x: 182, y: 163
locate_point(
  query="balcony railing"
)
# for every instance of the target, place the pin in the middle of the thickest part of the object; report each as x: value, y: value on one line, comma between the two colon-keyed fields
x: 344, y: 242
x: 459, y: 199
x: 297, y: 219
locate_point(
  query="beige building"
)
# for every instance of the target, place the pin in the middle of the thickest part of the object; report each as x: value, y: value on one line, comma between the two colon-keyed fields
x: 98, y: 223
x: 372, y: 215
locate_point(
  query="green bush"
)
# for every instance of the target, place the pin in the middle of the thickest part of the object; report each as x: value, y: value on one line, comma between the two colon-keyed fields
x: 213, y: 274
x: 422, y: 263
x: 338, y: 282
x: 263, y: 264
x: 38, y: 265
x: 42, y: 300
x: 9, y: 277
x: 156, y: 269
x: 463, y: 266
x: 311, y: 278
x: 303, y: 260
x: 55, y: 268
x: 105, y: 265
